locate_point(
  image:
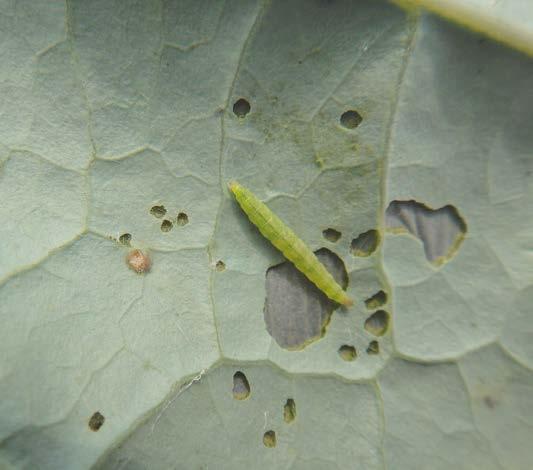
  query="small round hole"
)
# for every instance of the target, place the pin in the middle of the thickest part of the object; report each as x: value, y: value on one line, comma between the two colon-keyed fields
x: 125, y: 239
x: 241, y: 107
x: 373, y: 348
x: 347, y: 353
x: 182, y: 219
x: 332, y: 235
x: 289, y: 411
x: 366, y: 243
x: 166, y: 226
x: 377, y: 300
x: 377, y: 323
x: 96, y: 421
x: 158, y: 211
x: 241, y: 386
x: 220, y: 266
x: 351, y: 119
x: 269, y: 439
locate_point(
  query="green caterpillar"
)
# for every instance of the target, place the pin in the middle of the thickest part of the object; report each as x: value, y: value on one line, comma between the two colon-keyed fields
x: 285, y: 240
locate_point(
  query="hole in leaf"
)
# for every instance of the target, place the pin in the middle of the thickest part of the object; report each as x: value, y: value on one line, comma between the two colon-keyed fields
x: 489, y: 401
x: 365, y: 244
x: 373, y: 348
x: 440, y: 230
x: 125, y: 239
x: 377, y: 323
x: 158, y: 211
x: 166, y: 226
x: 220, y: 266
x: 241, y: 107
x: 296, y: 312
x: 351, y: 119
x: 332, y: 235
x: 377, y: 300
x: 269, y: 439
x: 138, y: 261
x: 182, y: 219
x: 347, y: 353
x: 289, y: 411
x: 241, y: 387
x: 96, y: 421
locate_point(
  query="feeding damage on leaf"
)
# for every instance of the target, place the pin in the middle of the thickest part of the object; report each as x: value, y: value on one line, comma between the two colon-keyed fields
x: 285, y: 240
x: 296, y: 313
x: 441, y: 231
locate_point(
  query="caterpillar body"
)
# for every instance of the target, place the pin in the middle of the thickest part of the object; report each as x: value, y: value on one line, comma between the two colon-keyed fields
x: 285, y: 240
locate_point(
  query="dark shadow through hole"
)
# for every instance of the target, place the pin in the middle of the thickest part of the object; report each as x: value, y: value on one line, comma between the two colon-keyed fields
x: 296, y: 312
x: 365, y: 244
x: 351, y: 119
x: 241, y: 387
x: 331, y: 235
x: 440, y: 230
x: 241, y: 107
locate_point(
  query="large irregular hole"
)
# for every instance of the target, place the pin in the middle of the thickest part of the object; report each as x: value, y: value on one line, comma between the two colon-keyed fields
x: 269, y: 439
x: 158, y: 211
x: 348, y: 353
x: 296, y: 311
x: 241, y: 387
x: 377, y: 323
x: 289, y: 411
x: 365, y: 244
x: 96, y: 421
x: 377, y: 300
x: 241, y: 107
x: 351, y: 119
x: 332, y: 235
x: 440, y: 230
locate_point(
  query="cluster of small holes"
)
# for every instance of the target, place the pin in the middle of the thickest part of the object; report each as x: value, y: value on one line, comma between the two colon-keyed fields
x: 241, y: 107
x: 158, y: 211
x: 166, y: 226
x: 350, y: 119
x: 365, y: 244
x: 96, y: 421
x: 125, y: 239
x: 289, y: 411
x: 373, y: 348
x: 182, y: 219
x: 347, y: 353
x: 377, y: 323
x: 241, y: 386
x: 269, y: 439
x: 220, y: 266
x: 138, y: 261
x: 377, y: 300
x: 332, y: 235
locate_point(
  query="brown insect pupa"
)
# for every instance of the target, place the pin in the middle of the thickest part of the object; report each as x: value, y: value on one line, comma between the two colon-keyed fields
x: 138, y: 261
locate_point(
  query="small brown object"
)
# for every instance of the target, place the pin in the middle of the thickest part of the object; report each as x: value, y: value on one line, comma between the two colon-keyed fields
x: 138, y: 261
